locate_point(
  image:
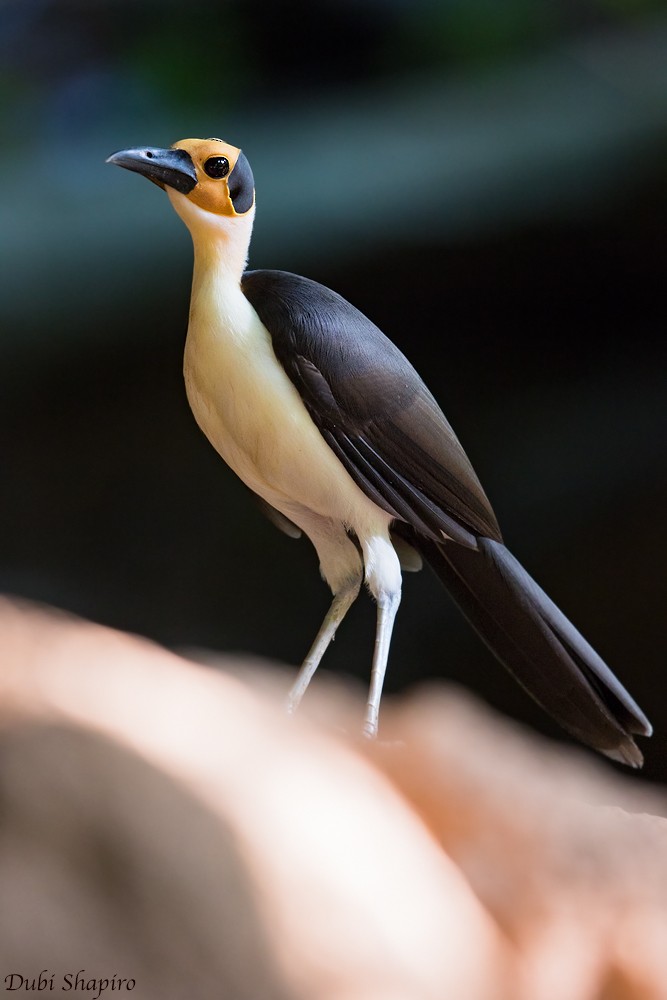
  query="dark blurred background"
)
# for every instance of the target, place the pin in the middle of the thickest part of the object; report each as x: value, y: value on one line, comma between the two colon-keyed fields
x: 487, y: 181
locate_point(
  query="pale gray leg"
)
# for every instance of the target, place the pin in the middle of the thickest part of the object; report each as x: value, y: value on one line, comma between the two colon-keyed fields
x: 387, y: 608
x: 340, y: 605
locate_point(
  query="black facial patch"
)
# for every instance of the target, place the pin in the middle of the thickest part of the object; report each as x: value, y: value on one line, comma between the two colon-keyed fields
x: 241, y: 186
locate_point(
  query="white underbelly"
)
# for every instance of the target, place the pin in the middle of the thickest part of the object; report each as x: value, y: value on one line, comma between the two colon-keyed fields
x: 253, y: 416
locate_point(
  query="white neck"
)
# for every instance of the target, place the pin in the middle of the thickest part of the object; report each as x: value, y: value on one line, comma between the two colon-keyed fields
x: 221, y: 242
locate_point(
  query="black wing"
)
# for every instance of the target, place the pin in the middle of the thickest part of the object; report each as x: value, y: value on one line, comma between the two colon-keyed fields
x: 382, y: 422
x: 372, y: 408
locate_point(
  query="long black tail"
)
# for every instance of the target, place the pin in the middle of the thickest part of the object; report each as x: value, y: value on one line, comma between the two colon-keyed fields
x: 539, y: 646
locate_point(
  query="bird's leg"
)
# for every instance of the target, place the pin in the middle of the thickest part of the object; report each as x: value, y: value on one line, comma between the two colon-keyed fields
x: 387, y: 605
x: 383, y: 578
x: 340, y: 605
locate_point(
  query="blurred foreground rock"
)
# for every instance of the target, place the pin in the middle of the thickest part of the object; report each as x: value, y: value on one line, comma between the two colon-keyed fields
x: 167, y: 824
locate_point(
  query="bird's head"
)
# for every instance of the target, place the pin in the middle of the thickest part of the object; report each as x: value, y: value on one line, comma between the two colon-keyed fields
x: 209, y: 182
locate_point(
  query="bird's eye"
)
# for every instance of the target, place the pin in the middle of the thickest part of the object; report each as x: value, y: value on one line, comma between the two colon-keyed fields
x: 217, y: 167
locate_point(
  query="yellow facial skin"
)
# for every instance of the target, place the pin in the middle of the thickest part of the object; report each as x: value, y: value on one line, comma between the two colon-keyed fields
x: 210, y: 194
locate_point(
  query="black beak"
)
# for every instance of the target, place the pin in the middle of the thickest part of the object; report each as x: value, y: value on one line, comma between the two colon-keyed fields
x: 173, y: 167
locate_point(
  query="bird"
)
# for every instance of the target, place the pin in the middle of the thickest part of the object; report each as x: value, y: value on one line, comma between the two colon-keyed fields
x: 326, y: 421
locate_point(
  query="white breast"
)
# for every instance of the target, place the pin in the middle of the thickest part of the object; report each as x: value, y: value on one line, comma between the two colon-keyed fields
x: 254, y: 417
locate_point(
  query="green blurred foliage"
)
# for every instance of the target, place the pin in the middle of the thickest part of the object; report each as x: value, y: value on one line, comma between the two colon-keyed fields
x: 471, y: 34
x: 206, y: 59
x: 215, y: 53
